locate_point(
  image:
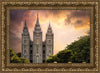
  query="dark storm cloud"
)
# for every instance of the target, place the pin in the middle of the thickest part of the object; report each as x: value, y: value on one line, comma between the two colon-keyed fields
x: 78, y: 22
x: 12, y: 36
x: 14, y: 39
x: 68, y: 19
x: 16, y: 17
x: 80, y: 13
x: 79, y: 17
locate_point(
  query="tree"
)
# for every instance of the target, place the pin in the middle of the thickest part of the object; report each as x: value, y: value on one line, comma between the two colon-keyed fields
x: 77, y: 52
x: 23, y: 60
x: 51, y: 59
x: 18, y: 54
x: 80, y: 49
x: 17, y: 58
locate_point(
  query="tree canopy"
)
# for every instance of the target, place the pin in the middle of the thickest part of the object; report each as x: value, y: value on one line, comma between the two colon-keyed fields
x: 17, y: 58
x: 77, y: 52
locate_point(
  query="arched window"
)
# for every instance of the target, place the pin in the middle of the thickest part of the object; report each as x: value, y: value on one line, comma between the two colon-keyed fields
x: 25, y: 46
x: 49, y: 41
x: 49, y: 47
x: 24, y: 41
x: 49, y: 52
x: 37, y: 58
x: 37, y: 41
x: 31, y: 51
x: 24, y: 51
x: 25, y: 56
x: 37, y: 49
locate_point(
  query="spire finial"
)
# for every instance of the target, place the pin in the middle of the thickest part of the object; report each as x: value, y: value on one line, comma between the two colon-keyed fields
x: 25, y: 22
x: 49, y: 30
x: 37, y: 14
x: 37, y: 19
x: 49, y: 23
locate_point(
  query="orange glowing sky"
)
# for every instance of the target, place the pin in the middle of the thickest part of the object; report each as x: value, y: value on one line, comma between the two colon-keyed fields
x: 67, y: 25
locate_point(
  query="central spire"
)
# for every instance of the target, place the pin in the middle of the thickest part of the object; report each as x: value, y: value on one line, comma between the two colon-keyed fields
x: 37, y: 25
x: 37, y: 22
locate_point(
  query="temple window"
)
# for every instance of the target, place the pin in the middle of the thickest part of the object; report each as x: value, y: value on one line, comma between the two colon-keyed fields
x: 37, y: 49
x: 43, y: 45
x: 37, y: 41
x: 43, y: 51
x: 37, y: 59
x: 24, y: 41
x: 31, y: 61
x: 49, y: 41
x: 50, y: 52
x: 24, y: 51
x: 25, y: 56
x: 30, y: 46
x: 30, y: 51
x: 25, y: 46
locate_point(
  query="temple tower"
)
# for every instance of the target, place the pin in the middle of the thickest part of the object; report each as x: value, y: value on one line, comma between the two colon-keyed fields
x: 49, y: 42
x: 25, y: 42
x: 37, y: 43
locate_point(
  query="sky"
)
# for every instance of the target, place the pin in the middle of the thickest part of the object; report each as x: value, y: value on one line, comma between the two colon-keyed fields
x: 67, y: 26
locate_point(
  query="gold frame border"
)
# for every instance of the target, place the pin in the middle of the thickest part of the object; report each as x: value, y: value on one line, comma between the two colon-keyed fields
x: 5, y: 65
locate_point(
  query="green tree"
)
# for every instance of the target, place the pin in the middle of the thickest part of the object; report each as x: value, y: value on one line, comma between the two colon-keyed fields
x: 77, y: 52
x: 64, y: 56
x: 80, y: 49
x: 18, y: 54
x: 16, y: 58
x: 23, y: 60
x: 51, y: 59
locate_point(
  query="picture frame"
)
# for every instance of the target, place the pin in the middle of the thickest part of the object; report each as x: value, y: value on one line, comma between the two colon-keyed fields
x: 7, y: 5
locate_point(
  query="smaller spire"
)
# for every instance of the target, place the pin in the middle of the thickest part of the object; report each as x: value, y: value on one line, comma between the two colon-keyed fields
x: 49, y: 23
x: 49, y: 30
x: 25, y: 22
x: 25, y: 29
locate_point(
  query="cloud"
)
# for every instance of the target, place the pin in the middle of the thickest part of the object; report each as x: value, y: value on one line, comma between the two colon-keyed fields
x: 78, y: 18
x: 15, y: 41
x: 78, y: 21
x: 80, y: 13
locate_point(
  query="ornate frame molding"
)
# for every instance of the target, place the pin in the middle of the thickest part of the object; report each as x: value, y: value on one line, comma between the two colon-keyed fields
x: 7, y: 66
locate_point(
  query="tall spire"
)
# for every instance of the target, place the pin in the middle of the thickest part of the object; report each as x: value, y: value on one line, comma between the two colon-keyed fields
x: 37, y: 25
x: 37, y: 22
